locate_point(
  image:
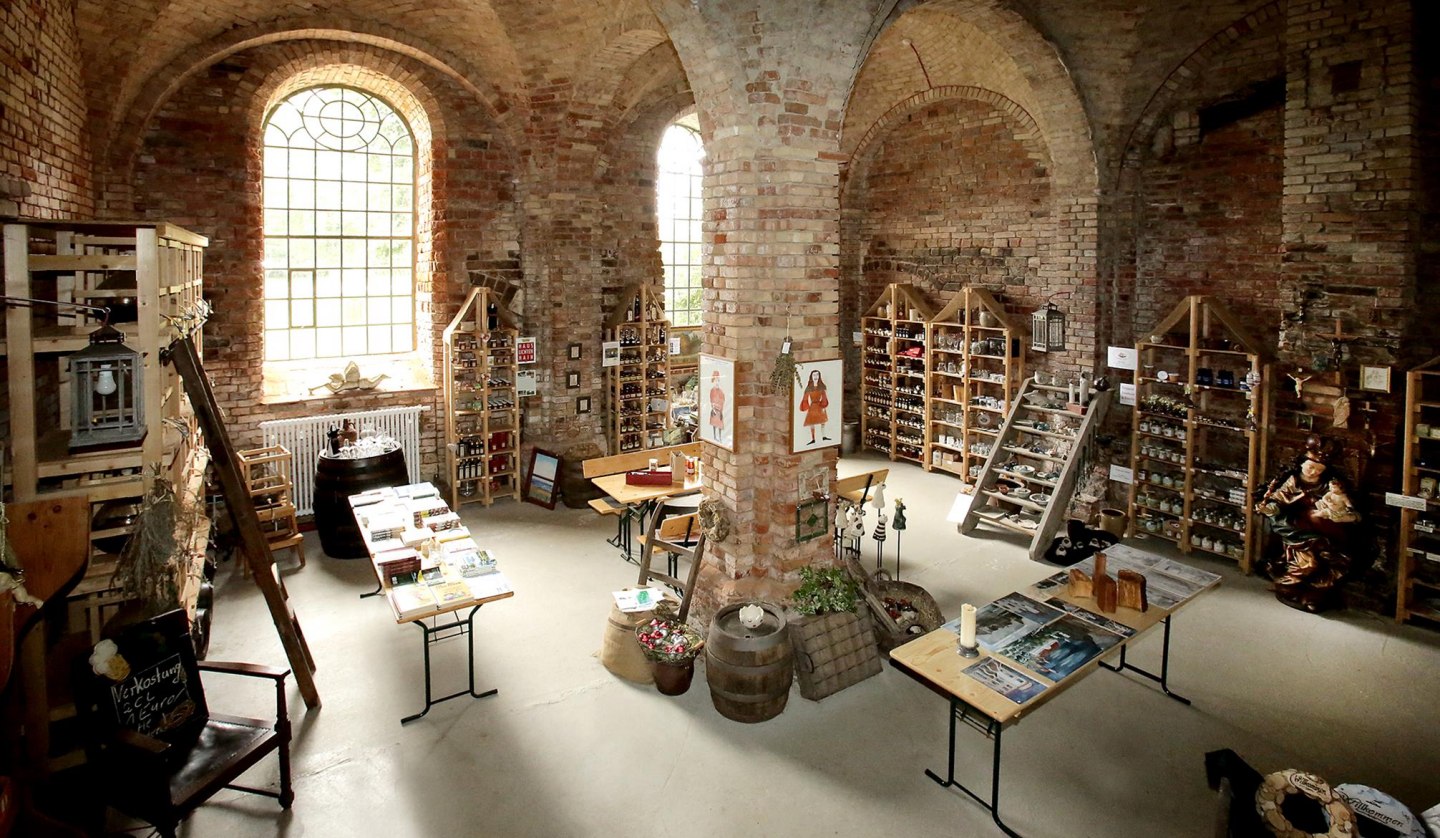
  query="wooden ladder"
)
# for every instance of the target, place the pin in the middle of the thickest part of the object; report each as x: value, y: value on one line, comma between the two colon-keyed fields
x: 1006, y: 448
x: 675, y: 541
x: 242, y: 511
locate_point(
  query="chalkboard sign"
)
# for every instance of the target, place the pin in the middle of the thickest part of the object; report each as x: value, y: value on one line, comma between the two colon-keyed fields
x: 146, y: 680
x: 540, y: 483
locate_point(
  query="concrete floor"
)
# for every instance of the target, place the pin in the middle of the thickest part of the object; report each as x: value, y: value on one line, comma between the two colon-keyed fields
x: 567, y: 749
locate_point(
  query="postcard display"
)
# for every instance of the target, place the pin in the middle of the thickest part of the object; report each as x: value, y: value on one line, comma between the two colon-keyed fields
x: 1198, y: 442
x: 892, y: 384
x: 975, y: 363
x: 1039, y: 633
x: 639, y: 385
x: 1418, y: 578
x: 1034, y: 460
x: 482, y: 411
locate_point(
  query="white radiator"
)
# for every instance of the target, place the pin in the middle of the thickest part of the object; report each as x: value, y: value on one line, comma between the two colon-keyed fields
x: 305, y: 438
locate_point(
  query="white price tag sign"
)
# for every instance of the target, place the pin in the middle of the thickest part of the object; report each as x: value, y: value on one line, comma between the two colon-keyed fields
x: 1122, y: 357
x: 1122, y: 474
x: 960, y: 507
x: 1127, y: 394
x: 1405, y: 501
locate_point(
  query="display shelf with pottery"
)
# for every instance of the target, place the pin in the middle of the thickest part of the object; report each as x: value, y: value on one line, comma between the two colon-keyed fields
x: 1202, y: 391
x: 975, y: 358
x: 894, y: 335
x: 1417, y: 579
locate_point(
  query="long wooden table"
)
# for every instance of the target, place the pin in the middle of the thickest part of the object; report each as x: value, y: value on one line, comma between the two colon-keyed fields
x: 463, y: 592
x: 934, y: 659
x: 639, y: 501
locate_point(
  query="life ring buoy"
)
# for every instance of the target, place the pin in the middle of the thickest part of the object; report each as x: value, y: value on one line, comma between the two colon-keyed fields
x: 1275, y: 788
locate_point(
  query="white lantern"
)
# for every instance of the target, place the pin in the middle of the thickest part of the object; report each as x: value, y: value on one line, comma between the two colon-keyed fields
x: 1047, y: 329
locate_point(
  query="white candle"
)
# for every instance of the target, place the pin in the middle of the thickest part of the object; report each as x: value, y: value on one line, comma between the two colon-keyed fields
x: 1070, y: 392
x: 967, y: 626
x: 1084, y: 390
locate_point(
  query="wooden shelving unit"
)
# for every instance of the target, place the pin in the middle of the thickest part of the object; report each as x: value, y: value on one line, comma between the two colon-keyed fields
x: 974, y: 364
x: 482, y: 411
x: 145, y: 271
x: 892, y: 374
x: 1039, y: 449
x: 1198, y: 432
x: 1417, y: 580
x: 638, y: 386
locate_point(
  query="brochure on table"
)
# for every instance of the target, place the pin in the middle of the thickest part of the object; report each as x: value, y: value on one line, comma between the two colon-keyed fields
x: 413, y: 522
x: 1053, y: 638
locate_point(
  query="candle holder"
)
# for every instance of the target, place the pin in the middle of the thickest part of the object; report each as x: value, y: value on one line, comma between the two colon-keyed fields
x: 967, y: 651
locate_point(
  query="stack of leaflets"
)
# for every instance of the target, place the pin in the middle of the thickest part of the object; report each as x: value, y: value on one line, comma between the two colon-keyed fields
x: 489, y: 585
x: 417, y: 491
x: 423, y: 508
x: 453, y: 534
x: 440, y: 523
x: 412, y: 600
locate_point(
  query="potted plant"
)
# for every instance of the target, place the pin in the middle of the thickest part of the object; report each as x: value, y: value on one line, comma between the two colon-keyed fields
x: 671, y: 647
x: 832, y: 636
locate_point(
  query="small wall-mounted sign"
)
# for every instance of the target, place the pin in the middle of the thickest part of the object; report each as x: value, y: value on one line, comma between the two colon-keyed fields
x: 525, y: 350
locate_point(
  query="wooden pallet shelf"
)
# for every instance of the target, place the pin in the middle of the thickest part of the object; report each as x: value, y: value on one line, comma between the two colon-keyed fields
x: 1417, y: 577
x: 638, y: 386
x: 482, y: 408
x: 892, y: 373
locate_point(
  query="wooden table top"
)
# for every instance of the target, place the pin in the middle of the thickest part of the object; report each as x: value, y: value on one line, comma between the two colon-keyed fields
x: 934, y: 659
x: 615, y: 486
x: 480, y: 589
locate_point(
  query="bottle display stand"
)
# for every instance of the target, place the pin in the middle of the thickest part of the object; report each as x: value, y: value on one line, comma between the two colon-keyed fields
x: 892, y: 375
x: 639, y: 386
x: 482, y: 411
x: 1417, y: 580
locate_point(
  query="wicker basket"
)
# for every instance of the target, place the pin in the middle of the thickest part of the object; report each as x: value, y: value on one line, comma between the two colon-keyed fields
x: 833, y: 651
x: 889, y: 633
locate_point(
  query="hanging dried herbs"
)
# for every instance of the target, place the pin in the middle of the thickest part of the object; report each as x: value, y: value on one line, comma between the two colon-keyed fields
x: 150, y: 566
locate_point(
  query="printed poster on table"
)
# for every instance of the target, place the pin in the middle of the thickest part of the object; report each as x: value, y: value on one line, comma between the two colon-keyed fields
x: 1011, y: 683
x: 1006, y: 619
x: 1059, y: 648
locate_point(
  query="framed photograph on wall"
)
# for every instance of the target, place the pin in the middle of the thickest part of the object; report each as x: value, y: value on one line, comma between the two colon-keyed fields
x: 572, y: 380
x: 582, y: 404
x: 717, y: 401
x: 815, y: 405
x: 576, y: 349
x: 1375, y: 379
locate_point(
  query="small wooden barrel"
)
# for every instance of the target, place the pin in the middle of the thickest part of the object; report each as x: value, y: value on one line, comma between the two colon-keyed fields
x: 336, y: 479
x: 620, y: 651
x: 749, y: 670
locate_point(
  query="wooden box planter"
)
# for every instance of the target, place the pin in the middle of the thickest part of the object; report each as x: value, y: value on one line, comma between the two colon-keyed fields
x: 833, y: 651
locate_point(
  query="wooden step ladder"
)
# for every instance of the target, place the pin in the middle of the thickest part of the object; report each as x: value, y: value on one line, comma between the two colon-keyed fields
x: 1041, y: 436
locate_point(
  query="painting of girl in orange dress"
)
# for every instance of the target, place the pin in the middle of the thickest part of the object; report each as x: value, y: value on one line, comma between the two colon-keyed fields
x: 815, y: 420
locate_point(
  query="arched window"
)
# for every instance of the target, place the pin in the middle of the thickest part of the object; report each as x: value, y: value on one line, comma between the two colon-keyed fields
x: 679, y: 210
x: 339, y: 227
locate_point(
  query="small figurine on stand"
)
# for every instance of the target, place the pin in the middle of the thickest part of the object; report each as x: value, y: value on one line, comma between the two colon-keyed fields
x: 878, y: 501
x: 898, y: 525
x: 855, y: 527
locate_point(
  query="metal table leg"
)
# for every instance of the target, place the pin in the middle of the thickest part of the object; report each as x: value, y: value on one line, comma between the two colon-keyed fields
x: 959, y: 711
x: 433, y: 634
x: 1163, y: 679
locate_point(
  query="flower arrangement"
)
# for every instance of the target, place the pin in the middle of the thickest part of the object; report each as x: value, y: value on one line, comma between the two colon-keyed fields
x: 665, y: 640
x: 825, y: 591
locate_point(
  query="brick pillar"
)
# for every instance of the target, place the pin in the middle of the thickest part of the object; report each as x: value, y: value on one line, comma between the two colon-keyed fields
x: 770, y: 81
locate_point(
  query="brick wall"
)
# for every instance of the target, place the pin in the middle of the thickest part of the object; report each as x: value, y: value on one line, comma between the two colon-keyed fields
x: 45, y: 166
x: 199, y: 165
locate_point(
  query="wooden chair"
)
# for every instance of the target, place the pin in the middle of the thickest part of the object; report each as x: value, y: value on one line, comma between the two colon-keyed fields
x: 155, y: 749
x: 678, y: 536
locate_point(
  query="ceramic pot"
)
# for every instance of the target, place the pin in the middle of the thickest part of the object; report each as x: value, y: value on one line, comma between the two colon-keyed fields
x: 673, y: 678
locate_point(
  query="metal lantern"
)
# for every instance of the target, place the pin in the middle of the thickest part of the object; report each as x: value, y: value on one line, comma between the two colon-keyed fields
x: 107, y: 404
x: 1047, y: 329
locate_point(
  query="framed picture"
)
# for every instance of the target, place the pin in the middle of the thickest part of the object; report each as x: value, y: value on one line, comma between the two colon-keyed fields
x: 610, y: 353
x: 540, y: 481
x: 582, y: 404
x: 527, y: 382
x: 572, y: 380
x: 814, y: 413
x: 575, y: 350
x: 1375, y: 379
x: 812, y: 519
x: 717, y: 401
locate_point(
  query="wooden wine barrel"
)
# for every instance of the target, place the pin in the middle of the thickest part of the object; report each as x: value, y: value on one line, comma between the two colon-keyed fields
x: 336, y: 479
x: 749, y: 670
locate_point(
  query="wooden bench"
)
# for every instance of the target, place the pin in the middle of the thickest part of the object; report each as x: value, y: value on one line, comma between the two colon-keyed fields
x: 854, y: 488
x: 629, y: 461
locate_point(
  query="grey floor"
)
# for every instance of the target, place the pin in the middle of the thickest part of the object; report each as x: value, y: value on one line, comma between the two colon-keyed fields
x: 567, y: 749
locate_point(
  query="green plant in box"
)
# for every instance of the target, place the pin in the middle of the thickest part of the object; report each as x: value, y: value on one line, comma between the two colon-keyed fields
x: 825, y: 591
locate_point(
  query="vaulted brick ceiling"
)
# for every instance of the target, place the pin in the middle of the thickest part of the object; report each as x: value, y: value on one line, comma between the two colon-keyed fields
x: 1117, y: 50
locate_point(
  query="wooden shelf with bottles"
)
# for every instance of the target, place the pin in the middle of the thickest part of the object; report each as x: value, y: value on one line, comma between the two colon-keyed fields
x: 1417, y: 578
x: 974, y: 365
x: 639, y: 386
x: 1202, y: 404
x: 892, y: 373
x: 482, y: 410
